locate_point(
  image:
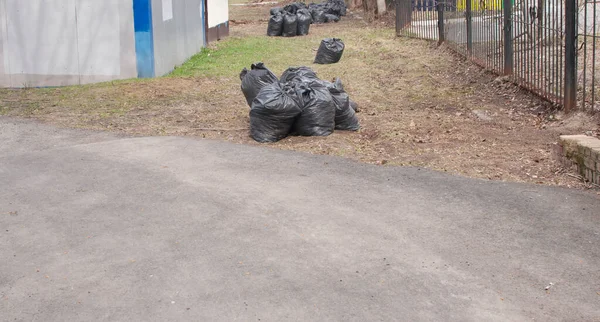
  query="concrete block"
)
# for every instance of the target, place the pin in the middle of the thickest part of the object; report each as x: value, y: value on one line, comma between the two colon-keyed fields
x: 589, y: 163
x: 596, y: 153
x: 584, y: 154
x: 595, y: 177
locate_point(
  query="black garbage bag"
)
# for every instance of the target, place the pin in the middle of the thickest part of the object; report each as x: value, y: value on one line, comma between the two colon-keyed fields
x: 275, y: 27
x: 255, y: 79
x: 290, y: 25
x: 337, y: 8
x: 273, y: 113
x: 318, y: 16
x: 294, y: 7
x: 330, y: 51
x: 305, y: 12
x: 354, y: 106
x: 344, y: 10
x: 290, y: 8
x: 276, y: 11
x: 298, y: 75
x: 318, y: 110
x: 345, y: 117
x: 304, y: 18
x: 331, y: 18
x: 300, y: 6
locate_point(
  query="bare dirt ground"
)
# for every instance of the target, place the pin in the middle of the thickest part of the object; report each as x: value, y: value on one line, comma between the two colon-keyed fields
x: 420, y: 106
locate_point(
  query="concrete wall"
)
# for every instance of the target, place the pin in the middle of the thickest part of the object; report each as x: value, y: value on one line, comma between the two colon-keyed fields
x: 178, y: 32
x: 65, y: 42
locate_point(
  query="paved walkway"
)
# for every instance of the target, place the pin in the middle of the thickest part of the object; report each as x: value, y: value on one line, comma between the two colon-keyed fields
x: 98, y: 227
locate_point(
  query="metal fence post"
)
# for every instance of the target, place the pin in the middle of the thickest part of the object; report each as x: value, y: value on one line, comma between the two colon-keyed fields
x: 398, y: 19
x: 570, y: 55
x: 508, y: 41
x: 403, y: 15
x: 469, y: 17
x: 440, y: 12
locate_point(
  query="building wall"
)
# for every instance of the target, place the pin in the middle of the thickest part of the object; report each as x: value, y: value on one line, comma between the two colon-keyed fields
x: 218, y: 12
x: 65, y: 42
x: 178, y: 32
x: 218, y: 19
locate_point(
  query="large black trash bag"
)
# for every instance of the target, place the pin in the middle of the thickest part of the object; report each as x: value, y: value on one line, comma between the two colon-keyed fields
x: 255, y: 79
x: 275, y: 27
x: 273, y: 113
x: 276, y: 11
x: 305, y: 12
x: 318, y: 110
x: 304, y: 20
x: 318, y: 15
x: 330, y: 51
x: 345, y: 117
x: 290, y: 25
x: 298, y: 75
x: 331, y: 18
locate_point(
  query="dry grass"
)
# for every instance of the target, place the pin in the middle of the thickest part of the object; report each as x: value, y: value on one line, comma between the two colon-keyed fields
x: 419, y: 104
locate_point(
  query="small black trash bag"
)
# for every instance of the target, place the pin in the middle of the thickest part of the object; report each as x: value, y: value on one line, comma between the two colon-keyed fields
x: 298, y: 75
x: 337, y: 8
x: 330, y: 51
x: 318, y: 15
x: 318, y: 110
x: 294, y: 7
x: 273, y: 113
x: 345, y: 117
x: 304, y: 19
x: 290, y: 25
x: 276, y: 11
x: 255, y: 79
x: 354, y: 106
x: 275, y: 27
x: 331, y: 18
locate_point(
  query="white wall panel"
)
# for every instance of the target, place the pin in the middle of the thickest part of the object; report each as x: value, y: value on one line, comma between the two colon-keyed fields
x: 98, y: 32
x: 4, y: 65
x: 41, y: 37
x: 218, y: 12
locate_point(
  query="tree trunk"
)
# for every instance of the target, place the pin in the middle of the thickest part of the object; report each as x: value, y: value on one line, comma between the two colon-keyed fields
x: 370, y: 6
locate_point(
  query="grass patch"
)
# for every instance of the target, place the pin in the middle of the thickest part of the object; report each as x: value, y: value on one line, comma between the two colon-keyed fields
x: 228, y: 57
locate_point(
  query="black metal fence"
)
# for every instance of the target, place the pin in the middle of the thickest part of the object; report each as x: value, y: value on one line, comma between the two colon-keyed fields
x: 546, y: 46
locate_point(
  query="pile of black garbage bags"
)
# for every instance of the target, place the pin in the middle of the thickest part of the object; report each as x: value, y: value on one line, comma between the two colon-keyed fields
x: 295, y: 19
x: 298, y: 103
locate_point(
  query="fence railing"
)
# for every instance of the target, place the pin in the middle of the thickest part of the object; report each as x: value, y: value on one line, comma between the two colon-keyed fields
x: 546, y: 46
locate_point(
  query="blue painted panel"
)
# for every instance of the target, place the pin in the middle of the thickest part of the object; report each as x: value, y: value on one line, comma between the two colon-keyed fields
x: 144, y: 38
x: 204, y: 23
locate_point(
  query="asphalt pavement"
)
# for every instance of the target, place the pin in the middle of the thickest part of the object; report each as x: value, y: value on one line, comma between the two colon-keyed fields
x: 101, y: 227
